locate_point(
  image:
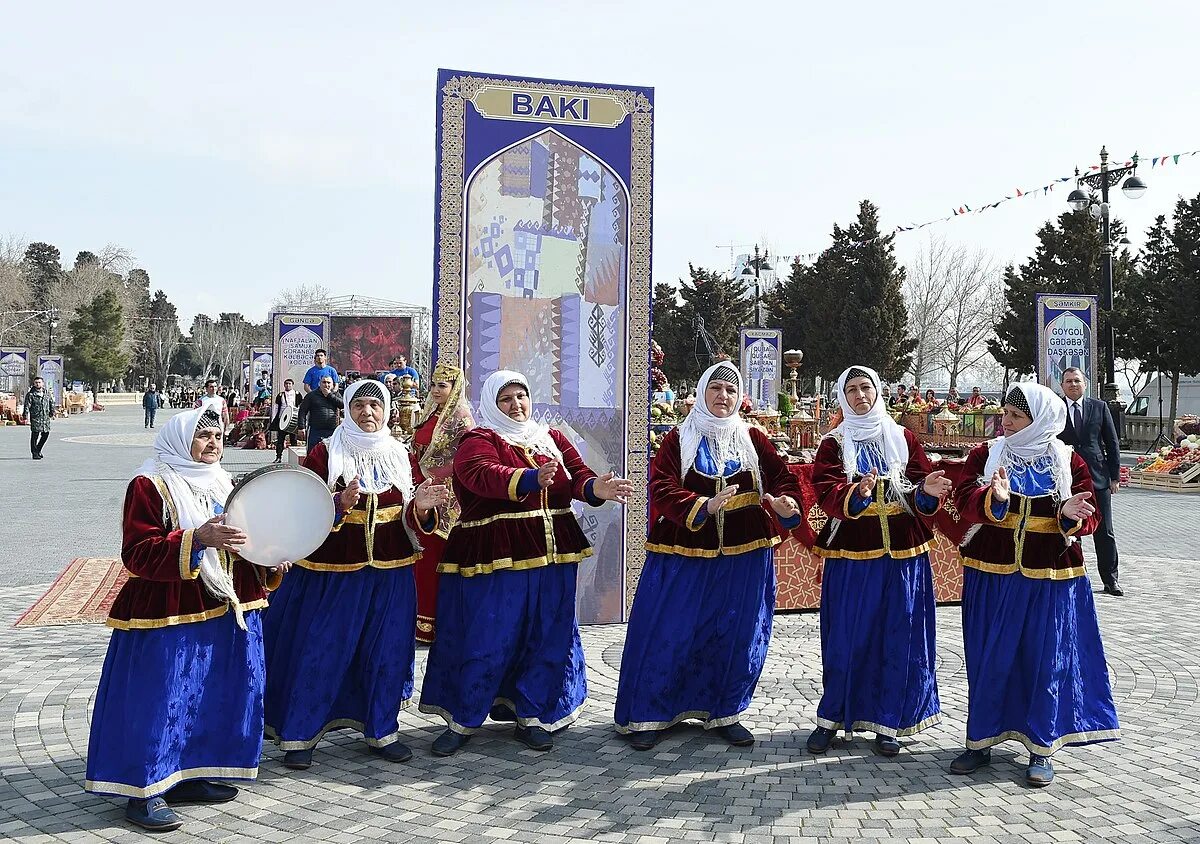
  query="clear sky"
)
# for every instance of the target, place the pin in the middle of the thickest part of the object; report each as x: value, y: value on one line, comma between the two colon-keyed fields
x: 251, y: 146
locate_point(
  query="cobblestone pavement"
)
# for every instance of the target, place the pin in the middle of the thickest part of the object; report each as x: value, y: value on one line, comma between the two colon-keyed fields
x: 592, y: 786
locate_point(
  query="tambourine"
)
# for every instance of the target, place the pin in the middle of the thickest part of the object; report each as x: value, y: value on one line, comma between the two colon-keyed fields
x: 285, y: 511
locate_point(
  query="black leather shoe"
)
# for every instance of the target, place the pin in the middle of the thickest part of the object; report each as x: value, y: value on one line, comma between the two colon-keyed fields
x: 970, y: 761
x: 201, y: 791
x: 1040, y: 772
x: 1114, y: 590
x: 736, y: 734
x: 394, y: 752
x: 449, y: 743
x: 298, y: 760
x: 886, y: 745
x: 820, y: 739
x: 644, y: 739
x: 503, y: 714
x: 535, y: 738
x: 153, y: 814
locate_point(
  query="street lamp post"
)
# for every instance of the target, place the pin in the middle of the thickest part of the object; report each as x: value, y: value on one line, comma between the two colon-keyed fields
x: 1082, y: 197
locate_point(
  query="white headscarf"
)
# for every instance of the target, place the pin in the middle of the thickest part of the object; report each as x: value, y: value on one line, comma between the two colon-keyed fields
x: 530, y: 435
x: 874, y: 430
x: 377, y: 459
x: 728, y: 437
x: 194, y: 488
x: 1036, y: 446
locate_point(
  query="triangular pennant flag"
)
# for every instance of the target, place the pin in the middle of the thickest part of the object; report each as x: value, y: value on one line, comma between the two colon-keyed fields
x: 1176, y: 157
x: 1019, y: 193
x: 1153, y: 162
x: 968, y: 207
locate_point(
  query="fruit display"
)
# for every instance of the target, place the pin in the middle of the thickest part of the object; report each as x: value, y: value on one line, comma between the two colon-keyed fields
x: 1172, y: 461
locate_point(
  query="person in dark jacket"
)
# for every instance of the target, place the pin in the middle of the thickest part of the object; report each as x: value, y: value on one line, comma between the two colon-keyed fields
x: 37, y: 411
x: 1091, y: 432
x: 319, y: 412
x: 150, y: 404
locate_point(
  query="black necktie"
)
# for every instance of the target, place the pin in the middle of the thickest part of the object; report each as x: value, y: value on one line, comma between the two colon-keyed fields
x: 1077, y: 420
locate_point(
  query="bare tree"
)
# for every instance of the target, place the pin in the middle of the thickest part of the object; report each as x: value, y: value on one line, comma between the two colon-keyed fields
x: 208, y: 341
x: 975, y: 301
x: 1135, y: 374
x: 303, y: 298
x: 16, y: 294
x: 928, y: 302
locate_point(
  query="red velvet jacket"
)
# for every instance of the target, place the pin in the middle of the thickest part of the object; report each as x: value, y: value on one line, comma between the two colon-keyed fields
x: 1031, y: 538
x: 742, y: 525
x: 500, y: 530
x: 883, y: 527
x: 372, y: 534
x: 163, y: 589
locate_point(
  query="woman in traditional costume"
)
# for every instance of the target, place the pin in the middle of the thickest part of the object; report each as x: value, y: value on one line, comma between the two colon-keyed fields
x: 446, y: 417
x: 701, y: 619
x: 180, y: 701
x: 339, y: 635
x: 508, y: 642
x: 1036, y: 671
x: 875, y: 483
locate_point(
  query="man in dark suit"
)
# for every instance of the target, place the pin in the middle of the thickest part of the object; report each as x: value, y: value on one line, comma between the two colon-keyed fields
x: 1091, y: 432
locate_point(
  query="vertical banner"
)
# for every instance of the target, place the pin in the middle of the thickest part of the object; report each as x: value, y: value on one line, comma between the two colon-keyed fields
x: 14, y: 368
x: 50, y: 367
x: 244, y: 387
x: 295, y: 339
x: 1066, y: 337
x: 542, y: 238
x: 761, y: 359
x: 261, y: 364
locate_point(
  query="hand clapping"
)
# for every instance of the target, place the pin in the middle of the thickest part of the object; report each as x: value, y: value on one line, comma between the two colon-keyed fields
x: 546, y: 473
x: 1000, y: 488
x: 867, y: 485
x: 721, y: 499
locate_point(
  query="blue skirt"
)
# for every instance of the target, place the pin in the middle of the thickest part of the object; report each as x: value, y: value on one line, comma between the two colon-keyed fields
x: 178, y: 703
x: 340, y: 653
x: 878, y: 655
x: 696, y: 641
x: 507, y: 639
x: 1035, y: 664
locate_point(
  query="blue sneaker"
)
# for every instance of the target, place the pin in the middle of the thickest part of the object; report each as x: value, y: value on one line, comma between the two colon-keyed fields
x: 153, y: 814
x: 1040, y: 772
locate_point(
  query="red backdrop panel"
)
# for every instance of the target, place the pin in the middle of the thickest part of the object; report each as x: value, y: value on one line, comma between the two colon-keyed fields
x: 368, y: 343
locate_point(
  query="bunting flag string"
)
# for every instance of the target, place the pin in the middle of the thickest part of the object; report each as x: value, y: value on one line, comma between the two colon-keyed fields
x: 1041, y: 190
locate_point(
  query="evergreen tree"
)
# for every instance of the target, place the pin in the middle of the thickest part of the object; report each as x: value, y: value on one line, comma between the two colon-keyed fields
x: 1067, y: 261
x: 672, y: 333
x: 1185, y: 239
x: 848, y: 307
x: 723, y: 303
x: 43, y: 271
x: 94, y: 350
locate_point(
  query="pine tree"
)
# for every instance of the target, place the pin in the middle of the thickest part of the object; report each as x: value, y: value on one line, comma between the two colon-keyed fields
x: 94, y: 350
x: 848, y: 307
x: 44, y: 272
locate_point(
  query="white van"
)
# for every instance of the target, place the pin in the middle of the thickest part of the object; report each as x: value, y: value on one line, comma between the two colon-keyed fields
x: 1145, y: 403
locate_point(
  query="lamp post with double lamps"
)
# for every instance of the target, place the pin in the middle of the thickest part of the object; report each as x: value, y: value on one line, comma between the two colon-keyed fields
x: 1084, y: 196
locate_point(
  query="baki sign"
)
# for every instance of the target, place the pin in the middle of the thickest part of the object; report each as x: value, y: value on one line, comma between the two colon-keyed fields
x: 504, y: 103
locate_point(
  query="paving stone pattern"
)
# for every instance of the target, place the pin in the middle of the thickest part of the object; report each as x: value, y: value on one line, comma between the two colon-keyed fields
x: 692, y: 787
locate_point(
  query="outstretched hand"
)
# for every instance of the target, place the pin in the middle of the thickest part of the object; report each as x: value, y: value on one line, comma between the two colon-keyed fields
x: 611, y: 488
x: 937, y: 484
x: 1077, y: 507
x: 784, y: 505
x: 430, y: 495
x: 216, y: 534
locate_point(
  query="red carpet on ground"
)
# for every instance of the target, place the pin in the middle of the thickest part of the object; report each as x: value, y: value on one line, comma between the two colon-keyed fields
x: 82, y: 594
